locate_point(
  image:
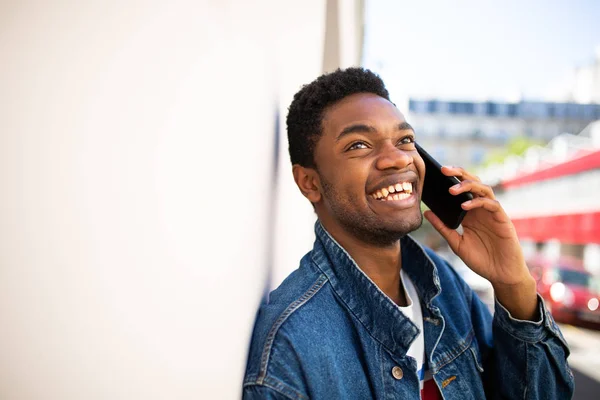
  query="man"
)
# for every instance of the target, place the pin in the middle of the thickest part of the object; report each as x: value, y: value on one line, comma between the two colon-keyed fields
x: 372, y: 314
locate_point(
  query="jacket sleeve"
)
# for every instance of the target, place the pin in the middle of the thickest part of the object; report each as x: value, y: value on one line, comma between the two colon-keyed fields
x: 525, y: 359
x: 256, y: 392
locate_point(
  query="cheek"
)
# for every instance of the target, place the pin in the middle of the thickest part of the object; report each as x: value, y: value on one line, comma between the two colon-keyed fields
x: 420, y: 165
x: 350, y: 174
x: 347, y: 178
x: 348, y: 186
x: 349, y: 189
x: 356, y: 180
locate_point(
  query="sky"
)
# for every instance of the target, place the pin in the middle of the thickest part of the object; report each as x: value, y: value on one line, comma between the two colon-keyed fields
x: 480, y: 50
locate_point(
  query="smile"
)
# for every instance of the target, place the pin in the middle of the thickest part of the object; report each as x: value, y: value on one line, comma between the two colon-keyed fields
x: 399, y: 191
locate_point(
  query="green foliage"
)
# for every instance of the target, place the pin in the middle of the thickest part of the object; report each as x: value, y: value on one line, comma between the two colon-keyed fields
x: 515, y: 146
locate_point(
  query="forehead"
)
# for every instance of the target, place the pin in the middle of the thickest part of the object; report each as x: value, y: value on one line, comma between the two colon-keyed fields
x: 360, y: 107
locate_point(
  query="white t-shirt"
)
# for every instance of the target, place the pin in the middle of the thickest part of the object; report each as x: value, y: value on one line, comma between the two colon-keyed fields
x: 412, y: 311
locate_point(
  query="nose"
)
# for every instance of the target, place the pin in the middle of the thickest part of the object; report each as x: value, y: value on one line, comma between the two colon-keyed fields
x: 393, y: 157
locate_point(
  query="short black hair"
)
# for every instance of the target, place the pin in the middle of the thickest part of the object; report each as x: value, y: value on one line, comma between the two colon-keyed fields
x: 305, y: 114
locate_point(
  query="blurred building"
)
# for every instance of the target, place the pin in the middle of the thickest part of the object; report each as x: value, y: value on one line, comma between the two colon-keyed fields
x: 586, y: 83
x: 552, y: 195
x: 461, y: 133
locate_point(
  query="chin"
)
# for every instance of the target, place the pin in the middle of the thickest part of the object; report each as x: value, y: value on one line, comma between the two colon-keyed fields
x: 406, y: 223
x: 389, y: 234
x: 407, y: 226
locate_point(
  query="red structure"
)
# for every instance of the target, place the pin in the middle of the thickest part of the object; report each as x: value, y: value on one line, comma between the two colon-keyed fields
x: 566, y: 199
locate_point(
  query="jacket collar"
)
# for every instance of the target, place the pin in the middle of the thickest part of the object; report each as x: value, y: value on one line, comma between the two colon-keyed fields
x: 375, y: 310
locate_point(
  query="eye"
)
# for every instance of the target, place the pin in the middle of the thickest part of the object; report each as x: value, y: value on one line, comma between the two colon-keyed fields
x: 358, y: 146
x: 407, y: 140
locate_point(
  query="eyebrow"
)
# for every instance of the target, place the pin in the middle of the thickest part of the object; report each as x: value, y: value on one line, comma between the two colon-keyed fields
x: 362, y: 128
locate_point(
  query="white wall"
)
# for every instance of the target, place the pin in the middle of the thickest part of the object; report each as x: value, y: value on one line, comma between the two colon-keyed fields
x: 294, y: 222
x: 136, y: 160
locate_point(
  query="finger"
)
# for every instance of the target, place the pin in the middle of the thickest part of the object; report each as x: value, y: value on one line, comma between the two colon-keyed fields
x: 450, y: 235
x: 491, y: 205
x: 477, y: 188
x: 460, y: 173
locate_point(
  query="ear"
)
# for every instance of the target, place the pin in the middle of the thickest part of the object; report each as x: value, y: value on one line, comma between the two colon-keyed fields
x: 308, y: 182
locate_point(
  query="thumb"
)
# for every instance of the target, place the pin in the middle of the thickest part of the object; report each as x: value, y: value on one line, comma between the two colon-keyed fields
x: 450, y: 235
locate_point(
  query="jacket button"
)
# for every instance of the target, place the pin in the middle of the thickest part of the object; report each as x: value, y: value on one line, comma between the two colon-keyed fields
x: 397, y: 373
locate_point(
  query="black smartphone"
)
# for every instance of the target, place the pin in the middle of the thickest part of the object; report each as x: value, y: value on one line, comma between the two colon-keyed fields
x: 436, y: 195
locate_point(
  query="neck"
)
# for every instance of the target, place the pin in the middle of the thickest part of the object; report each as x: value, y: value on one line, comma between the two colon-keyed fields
x: 382, y: 264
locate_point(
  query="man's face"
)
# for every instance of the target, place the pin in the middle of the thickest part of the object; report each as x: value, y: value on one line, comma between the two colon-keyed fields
x: 370, y: 172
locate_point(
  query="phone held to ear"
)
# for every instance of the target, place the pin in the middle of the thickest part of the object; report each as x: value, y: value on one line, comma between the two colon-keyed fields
x: 436, y: 195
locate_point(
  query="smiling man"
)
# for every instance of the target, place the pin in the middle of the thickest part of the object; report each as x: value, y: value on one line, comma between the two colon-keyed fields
x: 370, y: 313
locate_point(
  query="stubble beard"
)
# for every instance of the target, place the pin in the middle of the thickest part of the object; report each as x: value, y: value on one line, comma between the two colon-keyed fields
x: 367, y: 228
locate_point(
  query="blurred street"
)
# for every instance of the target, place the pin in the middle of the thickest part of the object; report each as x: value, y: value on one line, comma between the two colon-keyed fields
x: 584, y: 360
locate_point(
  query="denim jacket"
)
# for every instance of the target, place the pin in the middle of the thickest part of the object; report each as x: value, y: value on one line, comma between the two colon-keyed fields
x: 328, y: 332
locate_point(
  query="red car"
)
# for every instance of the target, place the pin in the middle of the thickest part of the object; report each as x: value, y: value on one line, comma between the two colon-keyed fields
x: 568, y: 290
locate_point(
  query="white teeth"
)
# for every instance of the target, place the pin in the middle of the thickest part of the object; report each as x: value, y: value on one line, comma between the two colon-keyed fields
x: 402, y: 190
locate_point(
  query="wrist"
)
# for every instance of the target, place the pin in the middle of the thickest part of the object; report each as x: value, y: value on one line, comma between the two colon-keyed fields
x: 520, y: 299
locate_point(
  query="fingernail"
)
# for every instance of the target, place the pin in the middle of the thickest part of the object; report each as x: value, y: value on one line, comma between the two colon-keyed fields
x: 466, y: 203
x: 455, y: 186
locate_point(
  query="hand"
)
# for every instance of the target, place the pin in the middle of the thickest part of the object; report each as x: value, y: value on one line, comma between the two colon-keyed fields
x: 489, y: 244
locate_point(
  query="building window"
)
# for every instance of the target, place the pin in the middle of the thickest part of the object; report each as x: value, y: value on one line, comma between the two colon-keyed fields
x: 412, y: 106
x: 560, y: 110
x: 432, y: 106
